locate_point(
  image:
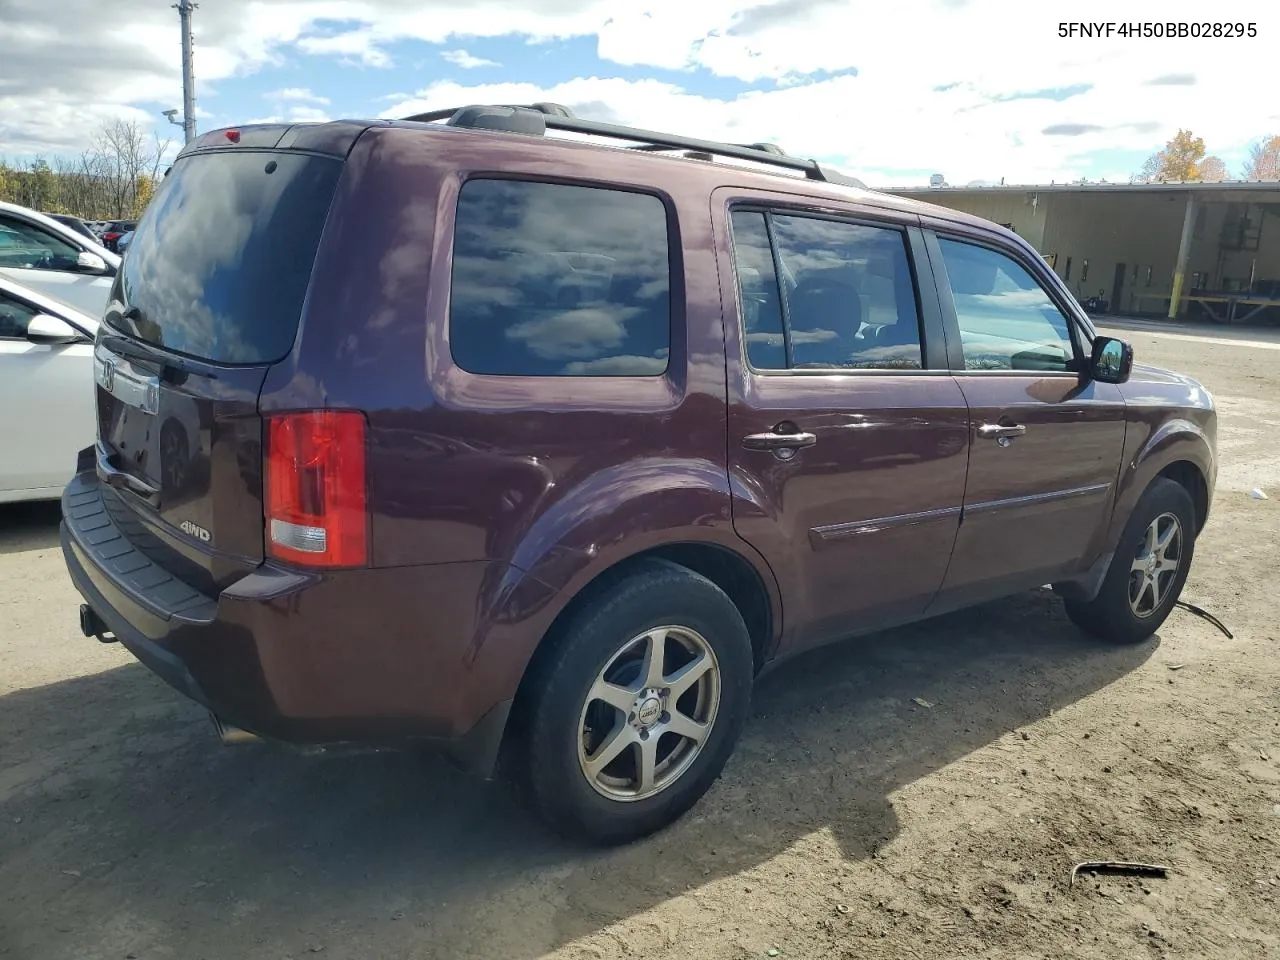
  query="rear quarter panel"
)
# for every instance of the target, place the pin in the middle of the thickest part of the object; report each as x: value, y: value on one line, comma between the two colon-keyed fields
x: 544, y: 481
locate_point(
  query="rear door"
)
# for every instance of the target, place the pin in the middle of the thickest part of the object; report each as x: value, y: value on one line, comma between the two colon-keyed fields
x: 848, y: 438
x: 209, y: 298
x: 45, y: 262
x: 1047, y: 441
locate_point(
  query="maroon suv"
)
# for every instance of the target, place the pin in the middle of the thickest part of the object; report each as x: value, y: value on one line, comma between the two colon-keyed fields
x: 462, y: 433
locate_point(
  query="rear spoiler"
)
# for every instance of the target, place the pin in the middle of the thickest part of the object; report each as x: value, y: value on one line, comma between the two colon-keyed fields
x: 335, y: 138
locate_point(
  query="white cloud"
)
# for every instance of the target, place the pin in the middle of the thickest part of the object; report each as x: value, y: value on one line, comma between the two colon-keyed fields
x: 927, y: 85
x: 301, y: 94
x: 919, y: 86
x: 307, y: 115
x: 467, y: 61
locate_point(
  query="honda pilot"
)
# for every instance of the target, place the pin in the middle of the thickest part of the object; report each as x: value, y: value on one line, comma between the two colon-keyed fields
x: 540, y: 450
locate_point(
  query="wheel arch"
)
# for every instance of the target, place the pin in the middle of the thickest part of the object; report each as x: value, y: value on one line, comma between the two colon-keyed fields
x: 1189, y: 477
x: 730, y: 570
x: 1178, y: 449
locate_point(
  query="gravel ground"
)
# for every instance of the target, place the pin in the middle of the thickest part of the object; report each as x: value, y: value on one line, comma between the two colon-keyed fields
x: 852, y: 822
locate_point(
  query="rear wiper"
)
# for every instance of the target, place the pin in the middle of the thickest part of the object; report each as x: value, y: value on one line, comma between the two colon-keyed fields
x: 173, y: 369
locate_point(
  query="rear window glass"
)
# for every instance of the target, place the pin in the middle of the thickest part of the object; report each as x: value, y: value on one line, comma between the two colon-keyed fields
x: 220, y: 263
x: 558, y: 280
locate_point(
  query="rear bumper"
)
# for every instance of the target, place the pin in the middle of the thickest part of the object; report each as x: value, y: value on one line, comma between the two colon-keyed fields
x: 291, y: 656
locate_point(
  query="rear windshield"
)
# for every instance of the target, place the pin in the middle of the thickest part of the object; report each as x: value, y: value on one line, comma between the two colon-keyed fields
x: 219, y: 265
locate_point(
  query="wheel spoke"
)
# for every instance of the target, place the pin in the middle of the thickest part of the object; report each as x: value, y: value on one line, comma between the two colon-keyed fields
x: 617, y: 741
x: 1139, y: 564
x: 1164, y: 540
x: 648, y: 762
x: 1148, y: 586
x: 655, y: 652
x: 1149, y: 542
x: 620, y: 698
x: 686, y: 727
x: 688, y: 675
x: 1155, y: 592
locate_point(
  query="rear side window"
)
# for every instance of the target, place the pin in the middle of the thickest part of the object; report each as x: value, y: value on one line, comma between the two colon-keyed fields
x: 558, y: 280
x: 825, y: 294
x: 220, y: 264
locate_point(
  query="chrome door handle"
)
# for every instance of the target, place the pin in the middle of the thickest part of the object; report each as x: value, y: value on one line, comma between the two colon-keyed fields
x: 1000, y: 433
x: 778, y: 441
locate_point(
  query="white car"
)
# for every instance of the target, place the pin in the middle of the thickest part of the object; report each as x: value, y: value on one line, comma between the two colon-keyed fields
x: 46, y: 256
x: 46, y: 391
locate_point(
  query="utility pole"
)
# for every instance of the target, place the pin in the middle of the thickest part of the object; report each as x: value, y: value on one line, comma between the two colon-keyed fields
x: 185, y: 8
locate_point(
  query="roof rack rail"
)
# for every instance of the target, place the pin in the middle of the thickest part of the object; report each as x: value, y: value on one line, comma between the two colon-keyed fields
x: 536, y: 119
x: 772, y: 148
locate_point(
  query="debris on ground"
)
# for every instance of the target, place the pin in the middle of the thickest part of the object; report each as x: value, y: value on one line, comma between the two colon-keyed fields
x: 1119, y: 866
x: 1205, y: 615
x: 922, y: 702
x: 1258, y: 494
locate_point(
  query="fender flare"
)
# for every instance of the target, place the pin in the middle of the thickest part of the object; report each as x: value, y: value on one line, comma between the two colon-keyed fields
x: 613, y: 516
x: 1173, y: 441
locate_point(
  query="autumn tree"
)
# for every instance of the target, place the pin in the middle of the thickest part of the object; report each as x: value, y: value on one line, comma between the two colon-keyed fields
x: 1264, y: 160
x: 1212, y: 169
x: 1183, y: 158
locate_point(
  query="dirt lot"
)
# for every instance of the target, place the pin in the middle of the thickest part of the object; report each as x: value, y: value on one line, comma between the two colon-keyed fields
x: 852, y: 821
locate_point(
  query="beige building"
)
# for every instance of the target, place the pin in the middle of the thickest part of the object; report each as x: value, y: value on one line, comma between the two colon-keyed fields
x: 1208, y: 250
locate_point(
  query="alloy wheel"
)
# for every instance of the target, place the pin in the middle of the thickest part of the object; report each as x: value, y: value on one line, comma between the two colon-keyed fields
x: 649, y: 713
x: 1155, y: 566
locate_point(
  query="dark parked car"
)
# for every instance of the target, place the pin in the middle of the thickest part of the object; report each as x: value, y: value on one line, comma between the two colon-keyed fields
x: 542, y: 451
x: 75, y: 223
x: 114, y: 231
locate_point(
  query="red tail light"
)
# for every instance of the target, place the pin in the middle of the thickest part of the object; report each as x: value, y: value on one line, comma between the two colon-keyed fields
x: 316, y: 488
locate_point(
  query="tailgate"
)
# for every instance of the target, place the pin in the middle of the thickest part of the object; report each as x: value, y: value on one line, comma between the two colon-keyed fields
x: 208, y: 300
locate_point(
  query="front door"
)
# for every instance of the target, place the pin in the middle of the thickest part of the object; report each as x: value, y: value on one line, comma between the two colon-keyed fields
x: 1047, y: 442
x: 46, y: 394
x: 47, y: 263
x: 847, y: 454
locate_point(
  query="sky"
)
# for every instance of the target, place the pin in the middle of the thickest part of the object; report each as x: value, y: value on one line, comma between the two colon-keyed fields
x: 891, y: 92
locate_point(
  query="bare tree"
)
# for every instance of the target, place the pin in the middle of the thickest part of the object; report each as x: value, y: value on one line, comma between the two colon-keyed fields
x: 1264, y: 160
x: 112, y: 180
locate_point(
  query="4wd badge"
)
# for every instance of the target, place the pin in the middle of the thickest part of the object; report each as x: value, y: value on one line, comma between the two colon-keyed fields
x: 193, y: 530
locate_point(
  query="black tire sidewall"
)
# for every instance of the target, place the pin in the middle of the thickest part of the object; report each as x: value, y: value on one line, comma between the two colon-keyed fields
x: 1110, y: 614
x: 659, y: 594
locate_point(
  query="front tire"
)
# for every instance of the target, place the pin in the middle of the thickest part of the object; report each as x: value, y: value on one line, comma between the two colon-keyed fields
x: 636, y: 709
x: 1148, y: 570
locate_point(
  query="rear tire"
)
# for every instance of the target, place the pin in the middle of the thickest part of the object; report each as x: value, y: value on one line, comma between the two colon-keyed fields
x: 1148, y: 570
x: 617, y: 745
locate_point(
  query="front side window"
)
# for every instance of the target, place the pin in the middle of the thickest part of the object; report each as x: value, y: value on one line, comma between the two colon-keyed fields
x: 24, y: 245
x: 1007, y: 321
x: 558, y: 280
x: 841, y: 295
x: 14, y: 317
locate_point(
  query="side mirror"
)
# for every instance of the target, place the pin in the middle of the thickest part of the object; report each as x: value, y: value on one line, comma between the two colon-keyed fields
x: 47, y: 329
x: 90, y: 263
x: 1112, y: 360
